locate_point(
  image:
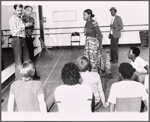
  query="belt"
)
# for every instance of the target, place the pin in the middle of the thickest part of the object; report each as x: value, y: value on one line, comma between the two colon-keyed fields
x: 28, y: 36
x: 19, y: 37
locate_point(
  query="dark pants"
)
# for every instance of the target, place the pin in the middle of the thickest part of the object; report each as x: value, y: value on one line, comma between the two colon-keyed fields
x: 29, y: 42
x: 21, y: 54
x: 114, y: 49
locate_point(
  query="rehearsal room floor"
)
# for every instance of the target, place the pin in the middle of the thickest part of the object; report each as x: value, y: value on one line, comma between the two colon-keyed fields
x: 50, y: 70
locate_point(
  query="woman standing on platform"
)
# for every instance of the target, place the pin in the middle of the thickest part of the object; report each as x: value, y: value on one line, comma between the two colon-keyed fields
x: 93, y: 41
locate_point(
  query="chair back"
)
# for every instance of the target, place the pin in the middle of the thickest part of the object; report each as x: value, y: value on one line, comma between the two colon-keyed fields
x: 128, y: 104
x: 75, y: 34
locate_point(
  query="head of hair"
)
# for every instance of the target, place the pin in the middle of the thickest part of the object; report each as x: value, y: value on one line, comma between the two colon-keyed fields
x: 70, y: 74
x: 81, y: 64
x: 27, y: 69
x: 89, y: 12
x: 28, y: 7
x: 135, y: 50
x: 18, y: 5
x: 126, y: 70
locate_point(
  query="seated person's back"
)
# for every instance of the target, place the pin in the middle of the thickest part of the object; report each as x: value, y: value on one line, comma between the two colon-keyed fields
x: 27, y: 93
x: 72, y: 97
x: 91, y: 79
x: 127, y: 94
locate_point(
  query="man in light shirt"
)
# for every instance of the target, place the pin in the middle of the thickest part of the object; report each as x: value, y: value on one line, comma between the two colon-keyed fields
x: 141, y: 66
x: 126, y: 95
x: 115, y: 33
x: 17, y: 29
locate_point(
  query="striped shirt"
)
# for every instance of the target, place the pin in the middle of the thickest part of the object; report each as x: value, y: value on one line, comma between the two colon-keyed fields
x: 28, y: 30
x: 17, y: 28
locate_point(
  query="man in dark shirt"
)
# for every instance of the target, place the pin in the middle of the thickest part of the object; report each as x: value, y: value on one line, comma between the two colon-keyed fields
x: 28, y: 32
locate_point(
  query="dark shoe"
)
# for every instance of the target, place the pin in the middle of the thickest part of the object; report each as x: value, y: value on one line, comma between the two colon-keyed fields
x: 36, y: 77
x: 2, y: 100
x: 114, y: 62
x: 111, y: 60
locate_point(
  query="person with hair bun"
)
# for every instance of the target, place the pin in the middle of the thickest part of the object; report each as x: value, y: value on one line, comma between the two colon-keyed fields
x: 93, y: 41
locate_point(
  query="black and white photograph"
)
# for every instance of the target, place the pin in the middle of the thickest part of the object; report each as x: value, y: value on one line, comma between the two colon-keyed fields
x: 74, y: 60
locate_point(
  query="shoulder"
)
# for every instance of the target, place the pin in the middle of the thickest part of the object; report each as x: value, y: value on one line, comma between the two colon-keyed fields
x: 36, y: 83
x: 116, y: 85
x: 15, y: 84
x: 13, y: 17
x: 139, y: 60
x: 95, y: 23
x: 139, y: 85
x: 118, y: 17
x: 61, y: 88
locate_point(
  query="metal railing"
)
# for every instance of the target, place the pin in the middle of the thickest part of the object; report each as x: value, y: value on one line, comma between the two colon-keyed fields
x: 82, y: 28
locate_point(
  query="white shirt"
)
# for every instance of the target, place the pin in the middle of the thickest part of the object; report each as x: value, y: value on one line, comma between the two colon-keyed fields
x: 127, y: 89
x: 93, y: 80
x: 73, y: 98
x: 17, y: 28
x: 139, y: 65
x: 146, y: 82
x: 112, y: 21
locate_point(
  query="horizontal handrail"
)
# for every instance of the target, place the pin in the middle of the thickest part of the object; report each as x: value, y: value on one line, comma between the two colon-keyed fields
x: 80, y: 27
x: 83, y: 32
x: 99, y: 26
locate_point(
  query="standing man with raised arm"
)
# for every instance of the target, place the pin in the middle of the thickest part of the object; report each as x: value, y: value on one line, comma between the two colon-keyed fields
x: 28, y: 32
x: 115, y: 33
x: 17, y: 29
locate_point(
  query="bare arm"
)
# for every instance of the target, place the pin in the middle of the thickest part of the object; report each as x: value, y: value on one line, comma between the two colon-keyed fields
x: 42, y: 103
x: 10, y: 106
x: 146, y: 103
x: 147, y: 68
x: 112, y: 107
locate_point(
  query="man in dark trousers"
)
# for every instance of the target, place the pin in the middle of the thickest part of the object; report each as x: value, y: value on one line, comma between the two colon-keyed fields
x: 26, y: 17
x: 115, y: 33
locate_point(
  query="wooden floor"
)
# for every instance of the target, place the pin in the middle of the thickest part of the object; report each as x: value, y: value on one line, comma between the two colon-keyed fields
x: 50, y: 69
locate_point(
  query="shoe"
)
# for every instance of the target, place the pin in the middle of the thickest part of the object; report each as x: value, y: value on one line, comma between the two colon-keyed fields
x: 2, y: 100
x: 36, y: 77
x: 114, y: 62
x: 111, y: 60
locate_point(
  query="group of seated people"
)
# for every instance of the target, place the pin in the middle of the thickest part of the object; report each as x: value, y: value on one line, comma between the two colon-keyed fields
x: 82, y: 89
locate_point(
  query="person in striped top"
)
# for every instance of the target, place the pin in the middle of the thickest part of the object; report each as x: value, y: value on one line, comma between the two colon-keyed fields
x: 17, y: 29
x: 26, y: 17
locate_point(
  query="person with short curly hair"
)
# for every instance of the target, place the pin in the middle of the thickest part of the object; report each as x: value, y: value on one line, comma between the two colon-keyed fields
x: 71, y: 96
x: 70, y: 74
